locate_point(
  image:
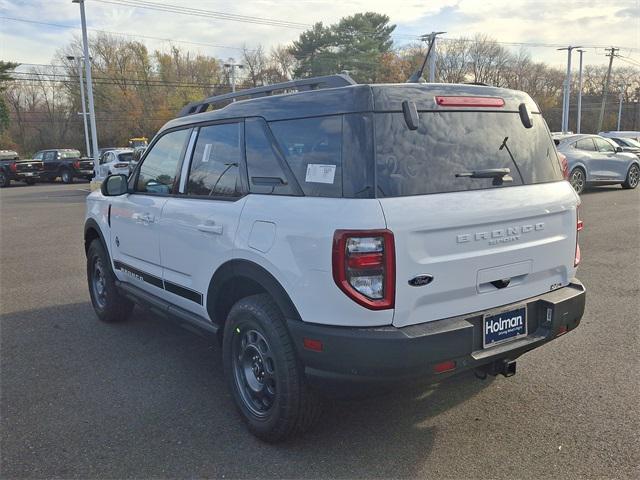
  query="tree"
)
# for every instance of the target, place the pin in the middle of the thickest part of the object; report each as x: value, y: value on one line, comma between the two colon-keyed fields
x: 5, y: 77
x: 356, y: 43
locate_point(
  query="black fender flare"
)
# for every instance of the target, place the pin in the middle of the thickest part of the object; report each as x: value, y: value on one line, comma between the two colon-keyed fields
x: 91, y: 224
x: 252, y: 272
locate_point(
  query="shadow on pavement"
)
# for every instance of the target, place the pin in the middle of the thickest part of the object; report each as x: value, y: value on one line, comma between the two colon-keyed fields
x: 147, y: 398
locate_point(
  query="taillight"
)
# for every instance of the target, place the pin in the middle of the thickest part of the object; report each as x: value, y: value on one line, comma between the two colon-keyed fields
x: 13, y: 167
x: 579, y: 227
x: 564, y: 165
x: 76, y: 164
x: 364, y: 266
x: 490, y: 102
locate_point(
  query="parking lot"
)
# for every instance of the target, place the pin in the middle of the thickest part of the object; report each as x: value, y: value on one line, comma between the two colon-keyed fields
x: 148, y: 399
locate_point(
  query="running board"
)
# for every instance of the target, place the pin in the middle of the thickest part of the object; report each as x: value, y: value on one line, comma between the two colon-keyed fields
x: 186, y: 319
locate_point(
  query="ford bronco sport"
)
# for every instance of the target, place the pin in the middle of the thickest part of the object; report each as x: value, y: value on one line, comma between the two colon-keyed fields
x: 332, y: 232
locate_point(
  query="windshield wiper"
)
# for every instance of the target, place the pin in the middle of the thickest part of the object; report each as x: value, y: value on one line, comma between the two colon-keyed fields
x: 499, y: 175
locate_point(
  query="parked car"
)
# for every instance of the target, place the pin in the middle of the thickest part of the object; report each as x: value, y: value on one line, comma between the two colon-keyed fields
x: 12, y: 168
x: 594, y: 160
x: 628, y: 145
x: 632, y: 134
x: 345, y: 233
x: 138, y: 152
x: 65, y: 163
x: 115, y: 162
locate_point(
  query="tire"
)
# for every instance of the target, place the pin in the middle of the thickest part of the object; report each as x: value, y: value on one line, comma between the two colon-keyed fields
x: 633, y: 177
x: 265, y: 376
x: 108, y: 303
x: 578, y: 180
x: 5, y: 181
x: 66, y: 176
x: 29, y: 181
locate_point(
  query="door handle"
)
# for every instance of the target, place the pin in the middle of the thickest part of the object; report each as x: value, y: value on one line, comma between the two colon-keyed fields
x: 210, y: 228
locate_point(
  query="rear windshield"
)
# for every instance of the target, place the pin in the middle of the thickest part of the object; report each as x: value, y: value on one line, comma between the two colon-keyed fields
x: 447, y: 144
x: 69, y: 154
x: 125, y: 157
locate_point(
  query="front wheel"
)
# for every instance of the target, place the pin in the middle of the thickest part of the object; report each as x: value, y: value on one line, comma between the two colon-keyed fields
x: 108, y: 303
x: 264, y: 374
x: 578, y: 180
x: 29, y: 181
x: 633, y: 177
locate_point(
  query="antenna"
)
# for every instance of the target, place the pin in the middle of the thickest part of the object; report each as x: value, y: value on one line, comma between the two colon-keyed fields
x: 417, y: 75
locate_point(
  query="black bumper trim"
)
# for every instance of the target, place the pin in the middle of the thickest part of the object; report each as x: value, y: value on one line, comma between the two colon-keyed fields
x: 395, y: 354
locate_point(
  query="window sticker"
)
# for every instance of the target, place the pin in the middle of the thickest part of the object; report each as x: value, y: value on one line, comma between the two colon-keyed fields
x: 317, y: 173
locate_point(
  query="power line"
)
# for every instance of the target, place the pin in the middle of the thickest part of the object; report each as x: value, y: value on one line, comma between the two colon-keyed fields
x: 186, y: 42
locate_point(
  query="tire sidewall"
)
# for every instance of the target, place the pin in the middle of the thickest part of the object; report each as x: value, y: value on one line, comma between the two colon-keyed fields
x: 68, y: 175
x: 627, y: 182
x: 248, y: 315
x: 96, y: 250
x: 584, y: 179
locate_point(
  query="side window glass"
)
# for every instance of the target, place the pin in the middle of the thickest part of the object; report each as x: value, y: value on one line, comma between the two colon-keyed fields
x: 160, y: 168
x: 604, y: 146
x: 313, y: 150
x: 265, y: 173
x: 586, y: 144
x: 49, y: 156
x: 215, y: 165
x: 38, y: 156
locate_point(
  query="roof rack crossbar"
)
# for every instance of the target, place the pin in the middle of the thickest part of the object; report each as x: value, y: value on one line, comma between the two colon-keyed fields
x: 315, y: 83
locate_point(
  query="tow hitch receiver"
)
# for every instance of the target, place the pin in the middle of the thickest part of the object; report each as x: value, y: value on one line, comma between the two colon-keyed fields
x: 499, y: 367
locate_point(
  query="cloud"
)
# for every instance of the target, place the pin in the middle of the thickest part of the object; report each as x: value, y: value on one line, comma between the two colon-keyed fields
x: 577, y: 22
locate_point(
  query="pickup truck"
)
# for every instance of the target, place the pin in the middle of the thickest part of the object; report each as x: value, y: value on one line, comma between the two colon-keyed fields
x: 12, y: 168
x: 65, y: 163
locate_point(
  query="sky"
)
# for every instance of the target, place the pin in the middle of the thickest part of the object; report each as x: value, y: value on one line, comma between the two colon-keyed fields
x: 589, y: 23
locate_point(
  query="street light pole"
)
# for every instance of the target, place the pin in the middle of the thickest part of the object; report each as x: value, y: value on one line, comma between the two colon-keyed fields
x: 232, y: 66
x: 84, y: 108
x: 567, y: 91
x: 579, y: 120
x: 87, y: 68
x: 621, y: 96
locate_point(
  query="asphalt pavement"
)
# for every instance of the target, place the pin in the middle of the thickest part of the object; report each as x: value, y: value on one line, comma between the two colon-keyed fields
x: 146, y: 398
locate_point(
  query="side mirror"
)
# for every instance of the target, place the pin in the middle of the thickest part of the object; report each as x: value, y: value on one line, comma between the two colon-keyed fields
x: 114, y: 185
x: 619, y: 149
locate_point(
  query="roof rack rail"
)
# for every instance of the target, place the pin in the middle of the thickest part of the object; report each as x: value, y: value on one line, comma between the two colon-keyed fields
x: 315, y: 83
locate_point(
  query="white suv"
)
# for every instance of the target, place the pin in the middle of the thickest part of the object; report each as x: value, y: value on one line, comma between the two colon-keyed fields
x: 343, y: 232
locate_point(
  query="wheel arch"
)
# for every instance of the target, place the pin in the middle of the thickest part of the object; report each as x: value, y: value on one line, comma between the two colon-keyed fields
x: 237, y: 279
x: 92, y: 231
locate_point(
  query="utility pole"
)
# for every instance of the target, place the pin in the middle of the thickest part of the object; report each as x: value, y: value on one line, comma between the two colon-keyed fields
x: 232, y: 66
x: 87, y: 68
x: 579, y: 120
x: 605, y: 90
x: 84, y: 108
x: 566, y: 100
x: 431, y: 38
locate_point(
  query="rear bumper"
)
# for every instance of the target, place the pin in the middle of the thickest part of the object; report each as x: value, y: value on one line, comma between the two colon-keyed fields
x: 390, y: 354
x: 36, y: 175
x: 84, y: 173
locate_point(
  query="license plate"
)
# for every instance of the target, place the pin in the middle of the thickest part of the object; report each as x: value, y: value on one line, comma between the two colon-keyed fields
x: 504, y: 326
x: 29, y: 174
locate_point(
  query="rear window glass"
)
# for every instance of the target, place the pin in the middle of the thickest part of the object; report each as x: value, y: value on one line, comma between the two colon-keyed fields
x: 265, y: 173
x: 313, y: 149
x: 125, y: 157
x: 427, y: 160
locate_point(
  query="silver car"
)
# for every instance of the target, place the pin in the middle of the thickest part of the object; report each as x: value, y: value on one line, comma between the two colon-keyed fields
x: 594, y: 160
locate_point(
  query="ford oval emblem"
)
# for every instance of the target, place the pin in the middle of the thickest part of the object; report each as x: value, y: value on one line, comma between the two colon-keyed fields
x: 421, y: 280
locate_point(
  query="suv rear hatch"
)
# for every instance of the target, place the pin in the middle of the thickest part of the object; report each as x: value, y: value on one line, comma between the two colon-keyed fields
x: 473, y: 243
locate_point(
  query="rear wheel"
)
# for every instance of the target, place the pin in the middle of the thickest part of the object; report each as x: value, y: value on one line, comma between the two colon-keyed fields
x: 5, y: 181
x: 633, y: 177
x: 66, y: 176
x: 29, y: 181
x: 108, y: 303
x: 264, y: 374
x: 578, y: 180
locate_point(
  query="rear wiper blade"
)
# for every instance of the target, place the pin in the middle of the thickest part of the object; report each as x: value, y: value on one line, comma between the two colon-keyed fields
x: 499, y: 175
